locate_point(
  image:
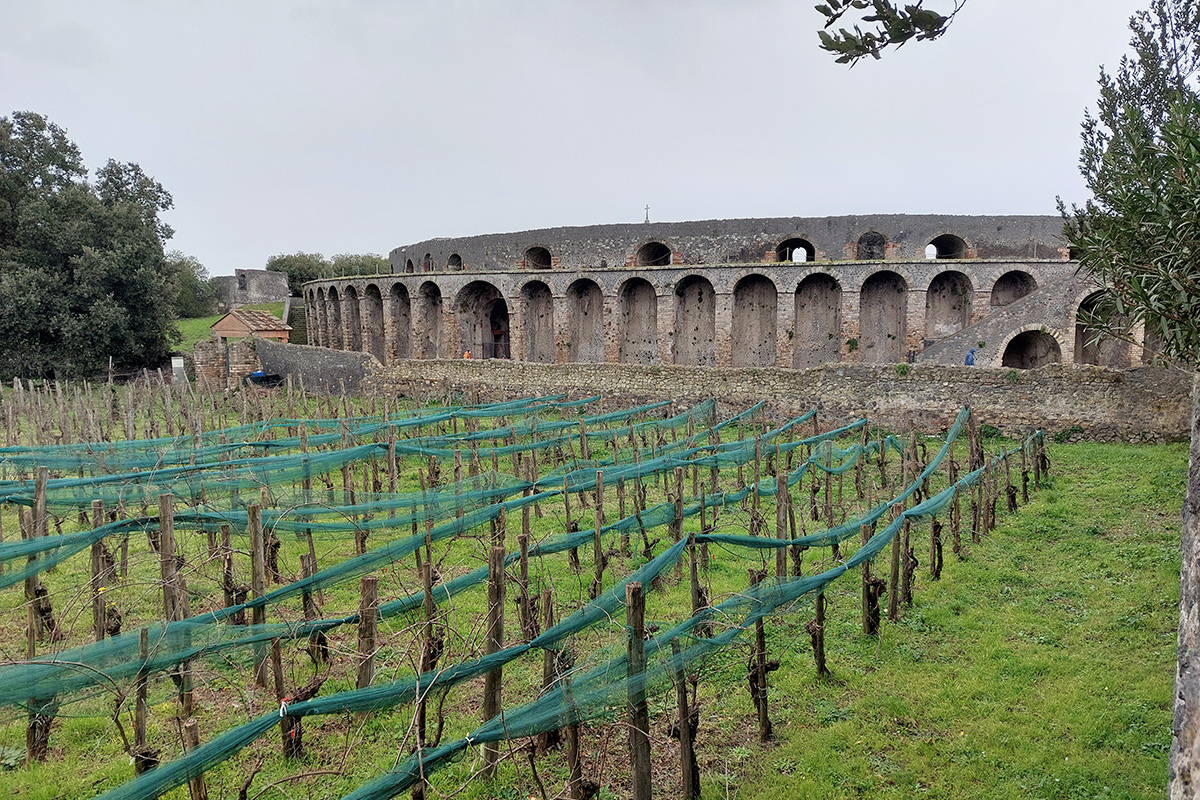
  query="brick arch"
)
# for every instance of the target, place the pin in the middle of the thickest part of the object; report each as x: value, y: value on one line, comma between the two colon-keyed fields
x: 948, y: 302
x: 537, y: 322
x: 817, y: 321
x: 427, y: 322
x: 994, y: 357
x: 637, y: 317
x: 647, y: 248
x: 401, y: 327
x: 695, y: 321
x: 372, y: 322
x: 481, y: 315
x: 333, y: 310
x: 753, y: 328
x: 585, y: 321
x: 883, y: 316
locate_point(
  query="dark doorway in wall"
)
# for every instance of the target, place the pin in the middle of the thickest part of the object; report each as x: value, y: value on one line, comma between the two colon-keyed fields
x: 1012, y: 286
x: 653, y: 254
x: 795, y: 251
x: 695, y: 322
x: 401, y: 321
x: 948, y: 246
x: 755, y: 308
x: 639, y: 322
x: 408, y: 266
x: 585, y: 318
x: 872, y: 246
x: 496, y: 345
x: 427, y: 263
x: 372, y: 310
x: 428, y: 326
x: 538, y: 322
x: 947, y: 305
x: 538, y: 258
x: 1030, y: 350
x: 1092, y: 345
x: 454, y: 263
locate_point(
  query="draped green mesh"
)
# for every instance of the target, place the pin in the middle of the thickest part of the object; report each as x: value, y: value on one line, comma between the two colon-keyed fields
x: 210, y: 470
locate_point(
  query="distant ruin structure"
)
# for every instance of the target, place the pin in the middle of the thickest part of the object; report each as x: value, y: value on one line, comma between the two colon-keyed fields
x: 248, y: 286
x: 781, y: 292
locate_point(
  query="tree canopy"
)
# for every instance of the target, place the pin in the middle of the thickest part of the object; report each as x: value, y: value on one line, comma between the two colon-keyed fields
x: 82, y: 271
x: 889, y: 25
x: 304, y: 267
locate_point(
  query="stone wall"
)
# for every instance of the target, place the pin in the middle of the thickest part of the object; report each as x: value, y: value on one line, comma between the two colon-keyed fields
x: 219, y: 365
x: 250, y: 286
x: 320, y: 368
x: 1143, y: 404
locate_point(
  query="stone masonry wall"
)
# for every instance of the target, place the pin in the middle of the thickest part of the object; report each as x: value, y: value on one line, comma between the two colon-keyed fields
x: 221, y: 366
x: 320, y: 368
x: 1144, y: 404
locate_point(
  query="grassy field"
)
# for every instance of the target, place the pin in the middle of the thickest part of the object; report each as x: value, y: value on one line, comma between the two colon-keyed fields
x: 194, y: 330
x: 1040, y: 665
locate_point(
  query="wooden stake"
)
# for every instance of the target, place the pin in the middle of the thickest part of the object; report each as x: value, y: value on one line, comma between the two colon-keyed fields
x: 191, y: 738
x: 258, y: 586
x: 688, y: 723
x: 639, y: 714
x: 493, y: 644
x: 368, y: 619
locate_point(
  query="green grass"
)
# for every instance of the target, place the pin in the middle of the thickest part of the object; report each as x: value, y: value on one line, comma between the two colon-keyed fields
x: 199, y: 328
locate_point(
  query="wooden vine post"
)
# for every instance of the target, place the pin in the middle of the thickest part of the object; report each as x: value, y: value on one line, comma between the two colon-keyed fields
x: 639, y: 714
x: 101, y: 568
x: 493, y: 644
x: 597, y: 547
x: 689, y: 722
x: 258, y: 586
x: 368, y: 622
x: 759, y: 669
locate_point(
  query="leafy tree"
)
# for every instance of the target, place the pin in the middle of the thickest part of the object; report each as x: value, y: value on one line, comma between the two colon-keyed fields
x: 893, y: 26
x: 300, y: 268
x: 1139, y: 237
x: 360, y: 264
x: 197, y: 297
x: 82, y: 271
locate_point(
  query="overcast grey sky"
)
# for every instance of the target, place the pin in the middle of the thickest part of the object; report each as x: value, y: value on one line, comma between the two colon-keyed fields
x: 360, y: 126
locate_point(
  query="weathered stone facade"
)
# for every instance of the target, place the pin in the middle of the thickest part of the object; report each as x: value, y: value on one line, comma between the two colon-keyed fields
x: 250, y: 286
x: 789, y: 293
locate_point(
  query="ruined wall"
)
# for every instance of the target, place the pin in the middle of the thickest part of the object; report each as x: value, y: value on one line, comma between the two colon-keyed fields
x: 320, y: 368
x: 251, y: 286
x: 903, y: 237
x: 221, y: 365
x: 1143, y: 404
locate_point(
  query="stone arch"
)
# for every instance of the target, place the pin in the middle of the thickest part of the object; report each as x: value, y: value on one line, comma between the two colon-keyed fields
x: 883, y: 308
x: 538, y: 322
x: 585, y: 320
x: 538, y: 258
x: 353, y: 316
x: 947, y: 246
x: 871, y: 246
x: 408, y: 266
x: 401, y: 321
x: 653, y: 254
x: 817, y: 329
x: 1012, y: 286
x: 947, y: 304
x: 795, y: 250
x: 314, y: 310
x: 638, y: 309
x: 695, y: 322
x: 427, y: 263
x: 1093, y: 346
x: 373, y: 322
x: 430, y: 343
x: 1030, y: 349
x: 482, y: 320
x: 334, y: 313
x: 454, y: 263
x: 755, y: 309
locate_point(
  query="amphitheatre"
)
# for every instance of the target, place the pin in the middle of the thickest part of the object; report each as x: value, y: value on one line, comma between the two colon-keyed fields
x: 781, y: 292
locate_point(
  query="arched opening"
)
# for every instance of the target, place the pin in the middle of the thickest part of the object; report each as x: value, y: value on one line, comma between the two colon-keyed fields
x: 948, y: 246
x: 373, y: 319
x: 639, y: 322
x: 316, y: 322
x: 538, y: 322
x: 795, y: 251
x: 454, y: 263
x: 947, y: 305
x: 1095, y: 345
x: 428, y: 326
x: 883, y: 307
x: 755, y: 305
x: 695, y: 322
x: 585, y: 309
x: 872, y: 246
x: 353, y: 321
x: 1012, y: 286
x: 482, y: 320
x: 818, y: 326
x: 653, y: 254
x: 408, y: 266
x: 1030, y: 350
x: 334, y: 313
x: 401, y: 321
x: 427, y: 263
x: 538, y: 258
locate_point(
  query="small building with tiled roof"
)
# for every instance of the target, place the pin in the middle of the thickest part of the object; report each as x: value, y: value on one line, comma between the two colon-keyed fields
x: 243, y: 322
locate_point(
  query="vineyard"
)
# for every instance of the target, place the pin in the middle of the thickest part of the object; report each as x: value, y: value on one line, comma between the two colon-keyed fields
x: 475, y: 582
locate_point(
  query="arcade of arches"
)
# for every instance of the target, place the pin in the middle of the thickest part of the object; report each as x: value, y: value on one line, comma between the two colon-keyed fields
x: 797, y: 316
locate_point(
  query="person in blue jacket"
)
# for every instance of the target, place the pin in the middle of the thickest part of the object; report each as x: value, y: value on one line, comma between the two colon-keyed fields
x: 970, y: 360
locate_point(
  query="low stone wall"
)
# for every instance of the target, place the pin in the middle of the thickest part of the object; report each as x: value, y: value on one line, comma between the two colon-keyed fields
x: 1148, y: 404
x: 320, y: 368
x: 221, y: 365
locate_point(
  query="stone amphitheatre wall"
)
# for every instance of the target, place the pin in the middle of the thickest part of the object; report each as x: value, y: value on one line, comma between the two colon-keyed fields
x: 784, y: 292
